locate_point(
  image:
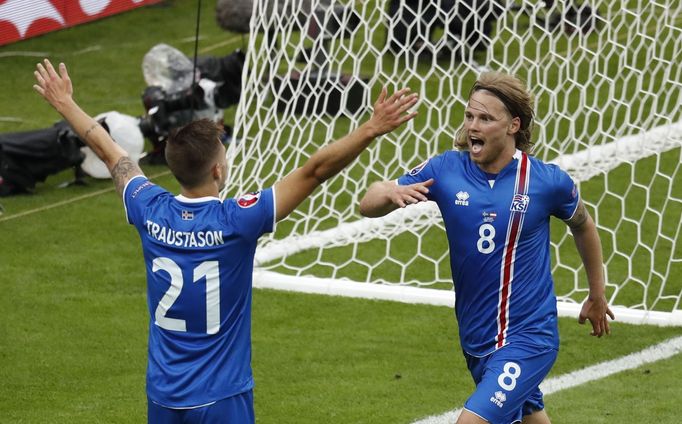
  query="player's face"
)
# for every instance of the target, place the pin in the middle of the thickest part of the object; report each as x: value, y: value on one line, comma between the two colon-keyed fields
x: 490, y: 131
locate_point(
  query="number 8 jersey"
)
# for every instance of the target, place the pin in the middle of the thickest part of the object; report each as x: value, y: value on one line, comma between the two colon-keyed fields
x: 199, y: 257
x: 498, y: 235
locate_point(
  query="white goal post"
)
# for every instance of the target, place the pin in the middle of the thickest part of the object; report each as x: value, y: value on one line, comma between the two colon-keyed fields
x: 607, y: 80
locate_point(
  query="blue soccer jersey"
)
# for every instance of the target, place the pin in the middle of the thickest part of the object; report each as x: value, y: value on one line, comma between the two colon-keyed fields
x: 199, y: 257
x: 499, y: 245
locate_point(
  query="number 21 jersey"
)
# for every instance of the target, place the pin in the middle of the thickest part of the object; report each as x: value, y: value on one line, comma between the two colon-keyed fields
x: 198, y: 256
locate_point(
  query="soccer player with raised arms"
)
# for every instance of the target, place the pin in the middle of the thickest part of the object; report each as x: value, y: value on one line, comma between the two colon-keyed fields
x: 199, y: 251
x: 496, y: 201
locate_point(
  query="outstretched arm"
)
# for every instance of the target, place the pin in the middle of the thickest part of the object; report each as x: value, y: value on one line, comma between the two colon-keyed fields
x: 389, y: 113
x: 57, y: 90
x: 596, y: 308
x: 383, y: 197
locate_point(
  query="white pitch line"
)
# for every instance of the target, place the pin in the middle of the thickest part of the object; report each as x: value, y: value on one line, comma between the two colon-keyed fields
x: 90, y: 49
x: 24, y: 54
x: 57, y: 204
x: 223, y: 43
x: 70, y: 200
x: 663, y: 350
x: 98, y: 47
x: 17, y: 53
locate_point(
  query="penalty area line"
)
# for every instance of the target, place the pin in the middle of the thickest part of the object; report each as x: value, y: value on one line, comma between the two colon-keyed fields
x: 658, y: 352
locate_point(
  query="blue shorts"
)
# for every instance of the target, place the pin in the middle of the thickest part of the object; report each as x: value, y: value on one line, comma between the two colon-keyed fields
x: 237, y: 409
x: 508, y: 382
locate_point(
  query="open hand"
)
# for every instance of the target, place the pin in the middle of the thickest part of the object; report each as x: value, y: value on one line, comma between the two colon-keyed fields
x: 55, y: 88
x: 392, y: 111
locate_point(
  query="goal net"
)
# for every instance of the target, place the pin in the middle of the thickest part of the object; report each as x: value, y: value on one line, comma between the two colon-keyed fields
x: 607, y: 82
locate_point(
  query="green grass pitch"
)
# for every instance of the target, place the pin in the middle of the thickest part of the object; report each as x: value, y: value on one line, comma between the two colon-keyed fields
x: 73, y: 310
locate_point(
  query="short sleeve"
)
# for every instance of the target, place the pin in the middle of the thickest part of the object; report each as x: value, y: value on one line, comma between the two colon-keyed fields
x: 422, y: 172
x: 137, y: 195
x: 566, y: 195
x: 254, y: 213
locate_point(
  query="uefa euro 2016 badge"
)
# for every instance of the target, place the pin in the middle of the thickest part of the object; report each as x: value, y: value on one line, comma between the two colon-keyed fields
x: 417, y: 169
x: 520, y: 203
x: 249, y: 199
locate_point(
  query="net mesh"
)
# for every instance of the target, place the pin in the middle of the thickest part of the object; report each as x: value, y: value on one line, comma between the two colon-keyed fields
x: 608, y: 90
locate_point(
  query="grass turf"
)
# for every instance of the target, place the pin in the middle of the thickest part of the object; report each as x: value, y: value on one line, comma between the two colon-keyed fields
x: 73, y: 334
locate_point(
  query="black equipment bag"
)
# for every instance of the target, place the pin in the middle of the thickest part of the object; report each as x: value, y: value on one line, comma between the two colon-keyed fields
x: 29, y: 157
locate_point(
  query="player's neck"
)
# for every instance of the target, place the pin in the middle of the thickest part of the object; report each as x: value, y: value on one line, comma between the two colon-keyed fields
x: 498, y: 153
x: 207, y: 190
x: 497, y: 165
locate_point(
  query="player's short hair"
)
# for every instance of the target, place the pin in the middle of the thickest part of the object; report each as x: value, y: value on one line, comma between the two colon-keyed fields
x: 192, y: 150
x: 513, y: 93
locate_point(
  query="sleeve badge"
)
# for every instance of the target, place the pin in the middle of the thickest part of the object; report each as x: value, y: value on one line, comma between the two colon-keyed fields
x: 417, y: 169
x: 249, y: 199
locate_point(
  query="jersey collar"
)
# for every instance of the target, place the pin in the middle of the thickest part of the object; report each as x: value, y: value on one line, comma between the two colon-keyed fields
x: 510, y: 167
x: 183, y: 199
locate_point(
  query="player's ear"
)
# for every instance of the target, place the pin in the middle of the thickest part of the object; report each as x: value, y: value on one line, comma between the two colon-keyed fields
x: 514, y: 125
x: 217, y: 172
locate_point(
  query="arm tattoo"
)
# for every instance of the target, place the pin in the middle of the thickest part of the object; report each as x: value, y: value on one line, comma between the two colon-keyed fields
x: 579, y: 217
x: 89, y: 130
x: 123, y: 171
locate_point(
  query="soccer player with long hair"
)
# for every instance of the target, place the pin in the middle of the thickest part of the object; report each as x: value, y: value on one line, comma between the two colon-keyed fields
x: 496, y: 201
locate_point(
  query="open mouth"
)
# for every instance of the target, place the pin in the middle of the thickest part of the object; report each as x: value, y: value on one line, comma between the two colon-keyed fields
x: 476, y: 144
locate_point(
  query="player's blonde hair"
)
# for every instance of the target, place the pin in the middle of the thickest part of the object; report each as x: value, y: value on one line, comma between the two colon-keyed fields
x: 513, y: 93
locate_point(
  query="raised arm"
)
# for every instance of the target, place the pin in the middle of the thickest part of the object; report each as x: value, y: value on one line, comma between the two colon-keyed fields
x: 383, y: 197
x: 596, y: 308
x: 57, y: 90
x: 389, y: 113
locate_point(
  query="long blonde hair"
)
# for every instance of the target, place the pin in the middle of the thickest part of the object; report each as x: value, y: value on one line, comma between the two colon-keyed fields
x: 513, y: 93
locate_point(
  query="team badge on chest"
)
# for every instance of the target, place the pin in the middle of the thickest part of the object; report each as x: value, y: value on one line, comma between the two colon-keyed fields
x: 520, y: 203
